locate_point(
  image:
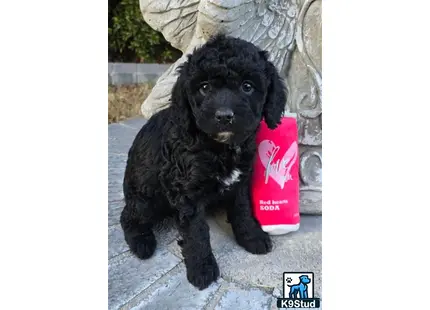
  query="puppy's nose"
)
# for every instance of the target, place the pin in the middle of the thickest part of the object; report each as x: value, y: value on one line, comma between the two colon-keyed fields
x: 224, y: 115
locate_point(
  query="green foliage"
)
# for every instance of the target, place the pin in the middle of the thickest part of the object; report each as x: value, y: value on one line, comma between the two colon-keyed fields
x: 132, y: 40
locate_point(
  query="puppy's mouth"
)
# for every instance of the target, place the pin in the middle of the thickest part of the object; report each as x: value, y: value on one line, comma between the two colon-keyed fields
x: 223, y: 136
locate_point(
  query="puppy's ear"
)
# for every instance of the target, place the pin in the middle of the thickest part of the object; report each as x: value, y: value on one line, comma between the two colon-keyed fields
x: 179, y: 93
x: 179, y: 99
x: 276, y: 98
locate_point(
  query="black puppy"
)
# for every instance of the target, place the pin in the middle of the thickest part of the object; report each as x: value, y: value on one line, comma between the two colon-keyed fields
x: 199, y: 152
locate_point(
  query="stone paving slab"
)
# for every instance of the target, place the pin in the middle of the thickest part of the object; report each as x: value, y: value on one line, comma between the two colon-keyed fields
x: 117, y: 244
x: 116, y: 169
x: 129, y: 276
x: 115, y: 190
x: 116, y: 166
x: 134, y: 122
x: 114, y: 212
x: 120, y: 138
x: 121, y: 135
x: 298, y: 251
x: 133, y: 73
x: 235, y: 297
x: 175, y: 292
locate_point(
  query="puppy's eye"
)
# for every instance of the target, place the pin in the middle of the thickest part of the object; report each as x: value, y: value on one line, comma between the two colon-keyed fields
x: 204, y: 88
x: 247, y: 88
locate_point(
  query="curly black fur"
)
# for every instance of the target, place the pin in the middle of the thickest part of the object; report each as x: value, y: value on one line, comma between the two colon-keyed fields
x: 199, y: 152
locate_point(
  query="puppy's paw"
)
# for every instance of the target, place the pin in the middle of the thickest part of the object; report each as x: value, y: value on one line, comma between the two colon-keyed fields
x: 258, y: 243
x: 203, y: 272
x: 143, y: 246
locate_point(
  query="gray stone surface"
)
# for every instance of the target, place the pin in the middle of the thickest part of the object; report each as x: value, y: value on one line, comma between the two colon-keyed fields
x: 116, y: 242
x: 134, y: 122
x: 116, y: 170
x: 175, y: 292
x: 298, y: 251
x: 152, y: 68
x: 273, y: 305
x: 123, y: 78
x: 120, y: 138
x: 239, y: 298
x: 117, y: 245
x: 115, y: 189
x: 129, y: 276
x: 144, y: 78
x: 119, y: 67
x: 132, y: 73
x: 114, y: 212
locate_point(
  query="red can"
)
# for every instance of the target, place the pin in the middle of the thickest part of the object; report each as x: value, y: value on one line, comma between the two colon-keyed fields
x: 275, y: 180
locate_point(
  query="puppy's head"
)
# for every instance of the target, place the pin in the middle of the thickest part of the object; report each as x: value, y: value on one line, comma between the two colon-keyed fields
x: 304, y: 279
x: 228, y: 86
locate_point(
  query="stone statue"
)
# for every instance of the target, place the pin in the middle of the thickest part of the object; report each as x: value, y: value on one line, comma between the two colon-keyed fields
x: 289, y: 29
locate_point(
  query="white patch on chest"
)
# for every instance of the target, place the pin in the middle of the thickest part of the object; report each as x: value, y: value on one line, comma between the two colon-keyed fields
x: 223, y: 136
x: 232, y: 178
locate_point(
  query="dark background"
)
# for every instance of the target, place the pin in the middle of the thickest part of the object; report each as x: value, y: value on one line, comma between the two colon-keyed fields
x: 132, y: 40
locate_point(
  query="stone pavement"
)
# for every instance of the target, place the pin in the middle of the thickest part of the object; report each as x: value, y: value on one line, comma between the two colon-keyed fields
x: 247, y: 281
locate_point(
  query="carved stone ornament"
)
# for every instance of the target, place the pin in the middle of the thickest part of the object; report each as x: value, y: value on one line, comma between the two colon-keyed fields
x: 289, y: 29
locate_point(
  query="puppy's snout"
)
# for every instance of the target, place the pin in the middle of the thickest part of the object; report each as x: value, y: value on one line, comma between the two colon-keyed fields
x: 224, y: 115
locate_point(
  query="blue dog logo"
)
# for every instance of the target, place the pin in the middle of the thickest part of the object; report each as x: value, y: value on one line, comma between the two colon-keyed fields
x: 301, y: 288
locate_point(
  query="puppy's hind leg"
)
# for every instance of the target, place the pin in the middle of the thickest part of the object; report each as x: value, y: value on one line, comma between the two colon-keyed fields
x: 137, y: 226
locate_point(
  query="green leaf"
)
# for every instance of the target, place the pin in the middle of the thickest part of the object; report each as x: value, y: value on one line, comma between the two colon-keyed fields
x: 131, y: 38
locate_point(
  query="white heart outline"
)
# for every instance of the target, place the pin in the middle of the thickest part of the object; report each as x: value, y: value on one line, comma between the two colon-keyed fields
x: 267, y: 151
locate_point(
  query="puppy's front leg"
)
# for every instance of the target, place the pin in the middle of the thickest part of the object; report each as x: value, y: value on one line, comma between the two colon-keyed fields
x: 202, y: 268
x: 246, y: 228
